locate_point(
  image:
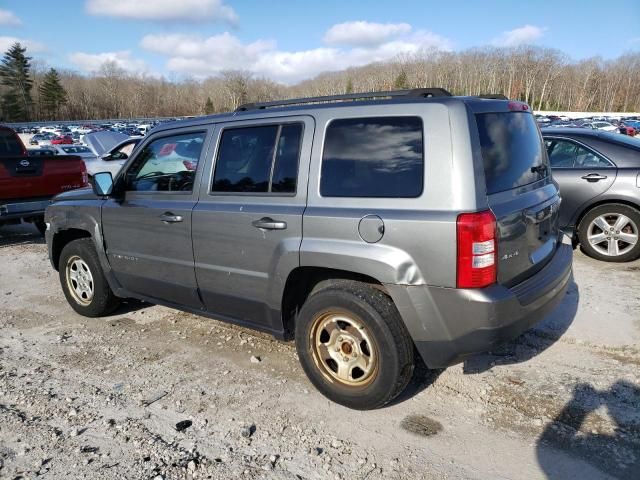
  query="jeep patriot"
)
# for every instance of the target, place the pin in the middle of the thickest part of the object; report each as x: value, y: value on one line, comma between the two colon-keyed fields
x: 368, y: 227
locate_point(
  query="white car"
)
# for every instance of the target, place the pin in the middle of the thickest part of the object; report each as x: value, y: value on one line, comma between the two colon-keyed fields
x: 110, y: 151
x: 604, y: 126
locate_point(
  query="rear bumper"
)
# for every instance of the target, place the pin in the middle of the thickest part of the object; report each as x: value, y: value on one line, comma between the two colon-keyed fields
x: 22, y: 209
x: 449, y: 324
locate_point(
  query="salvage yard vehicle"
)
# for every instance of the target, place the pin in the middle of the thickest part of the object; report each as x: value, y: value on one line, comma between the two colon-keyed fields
x: 366, y: 226
x: 599, y: 177
x: 110, y: 151
x: 28, y: 182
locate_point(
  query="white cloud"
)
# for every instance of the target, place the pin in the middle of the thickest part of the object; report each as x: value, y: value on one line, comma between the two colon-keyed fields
x: 32, y: 46
x: 9, y: 18
x: 92, y: 62
x: 200, y: 57
x: 519, y: 36
x: 164, y: 10
x: 364, y: 34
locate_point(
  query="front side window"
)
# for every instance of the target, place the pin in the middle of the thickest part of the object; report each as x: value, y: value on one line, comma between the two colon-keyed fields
x: 167, y: 164
x: 261, y: 159
x: 377, y: 157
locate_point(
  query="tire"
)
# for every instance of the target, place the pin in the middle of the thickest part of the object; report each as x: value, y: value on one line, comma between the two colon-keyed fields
x: 352, y: 321
x: 80, y: 256
x: 613, y: 247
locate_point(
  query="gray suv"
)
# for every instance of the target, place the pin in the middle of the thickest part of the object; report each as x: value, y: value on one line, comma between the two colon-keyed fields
x: 369, y: 227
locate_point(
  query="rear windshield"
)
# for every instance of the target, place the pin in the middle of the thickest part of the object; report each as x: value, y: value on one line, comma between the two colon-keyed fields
x: 9, y: 144
x: 512, y: 150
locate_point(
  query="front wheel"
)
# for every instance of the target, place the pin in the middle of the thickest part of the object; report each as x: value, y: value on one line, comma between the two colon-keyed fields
x: 83, y: 282
x: 353, y: 345
x: 611, y: 233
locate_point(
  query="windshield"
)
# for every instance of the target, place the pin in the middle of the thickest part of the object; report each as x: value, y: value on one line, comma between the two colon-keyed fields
x: 512, y: 150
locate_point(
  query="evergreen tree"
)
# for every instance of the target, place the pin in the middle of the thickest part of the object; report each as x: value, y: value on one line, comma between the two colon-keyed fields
x: 208, y: 107
x: 349, y: 88
x: 14, y: 75
x: 401, y: 82
x: 52, y: 94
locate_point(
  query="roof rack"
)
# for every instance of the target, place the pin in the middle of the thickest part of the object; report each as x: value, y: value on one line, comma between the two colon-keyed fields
x: 416, y: 92
x: 493, y: 96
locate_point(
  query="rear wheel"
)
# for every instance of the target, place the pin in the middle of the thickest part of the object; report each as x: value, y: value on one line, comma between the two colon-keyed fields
x: 83, y: 281
x: 353, y: 345
x: 611, y: 233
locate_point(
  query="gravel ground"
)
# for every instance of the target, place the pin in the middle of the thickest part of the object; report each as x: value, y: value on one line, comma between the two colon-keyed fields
x: 153, y: 393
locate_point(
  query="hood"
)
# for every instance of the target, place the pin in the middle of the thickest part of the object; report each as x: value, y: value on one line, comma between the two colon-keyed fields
x: 85, y: 193
x: 102, y: 142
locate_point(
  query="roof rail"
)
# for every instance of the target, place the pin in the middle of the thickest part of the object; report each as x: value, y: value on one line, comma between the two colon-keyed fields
x: 493, y: 96
x: 416, y: 92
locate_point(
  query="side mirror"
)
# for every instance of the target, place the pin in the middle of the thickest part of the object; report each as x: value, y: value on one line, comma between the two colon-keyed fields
x: 103, y: 184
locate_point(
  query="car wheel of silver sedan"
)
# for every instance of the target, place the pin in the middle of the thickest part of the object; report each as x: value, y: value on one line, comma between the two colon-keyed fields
x: 611, y: 233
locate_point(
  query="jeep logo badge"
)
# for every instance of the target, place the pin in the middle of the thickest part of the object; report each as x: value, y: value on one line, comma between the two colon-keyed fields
x: 24, y: 163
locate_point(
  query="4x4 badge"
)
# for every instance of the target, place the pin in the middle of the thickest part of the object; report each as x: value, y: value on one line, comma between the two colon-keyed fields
x: 507, y: 256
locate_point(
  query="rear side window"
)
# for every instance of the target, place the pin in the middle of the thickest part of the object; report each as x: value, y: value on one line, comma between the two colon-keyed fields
x: 378, y: 157
x: 260, y: 159
x: 567, y: 154
x: 9, y: 145
x: 512, y: 150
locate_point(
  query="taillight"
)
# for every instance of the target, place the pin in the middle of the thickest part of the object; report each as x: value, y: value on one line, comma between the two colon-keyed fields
x: 476, y: 235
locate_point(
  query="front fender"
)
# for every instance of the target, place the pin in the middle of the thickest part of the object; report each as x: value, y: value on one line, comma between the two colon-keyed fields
x: 85, y: 217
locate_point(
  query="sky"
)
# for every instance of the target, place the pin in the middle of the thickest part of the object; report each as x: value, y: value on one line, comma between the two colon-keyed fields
x: 289, y: 41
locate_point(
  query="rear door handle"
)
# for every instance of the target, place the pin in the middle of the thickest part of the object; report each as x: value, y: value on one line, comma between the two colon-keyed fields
x: 169, y: 217
x: 593, y: 177
x: 267, y: 223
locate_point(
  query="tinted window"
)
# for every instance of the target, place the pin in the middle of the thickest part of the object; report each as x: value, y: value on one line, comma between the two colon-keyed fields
x: 250, y: 159
x: 373, y: 157
x: 167, y: 164
x: 9, y: 144
x: 511, y: 150
x: 285, y: 170
x: 567, y: 154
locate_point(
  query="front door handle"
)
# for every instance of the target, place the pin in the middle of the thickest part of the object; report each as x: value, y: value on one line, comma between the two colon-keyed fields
x: 169, y: 217
x: 594, y: 177
x: 268, y: 223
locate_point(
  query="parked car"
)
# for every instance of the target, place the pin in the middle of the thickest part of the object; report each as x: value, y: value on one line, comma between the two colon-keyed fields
x: 27, y: 183
x: 110, y: 151
x: 62, y: 140
x: 41, y: 139
x: 43, y: 151
x: 633, y: 127
x: 599, y: 178
x: 604, y: 126
x: 336, y: 223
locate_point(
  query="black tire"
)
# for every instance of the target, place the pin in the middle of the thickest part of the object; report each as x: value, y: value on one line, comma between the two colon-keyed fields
x: 384, y: 329
x: 610, y: 211
x: 40, y: 225
x: 102, y: 301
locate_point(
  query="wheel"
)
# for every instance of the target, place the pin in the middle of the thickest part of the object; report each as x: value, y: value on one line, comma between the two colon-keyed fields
x: 353, y: 345
x: 611, y: 233
x: 40, y: 225
x: 83, y: 281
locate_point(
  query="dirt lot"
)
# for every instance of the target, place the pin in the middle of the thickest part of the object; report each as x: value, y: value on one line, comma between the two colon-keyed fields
x: 155, y: 393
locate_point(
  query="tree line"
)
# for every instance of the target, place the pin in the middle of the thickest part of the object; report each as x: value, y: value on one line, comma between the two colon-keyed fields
x: 544, y: 78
